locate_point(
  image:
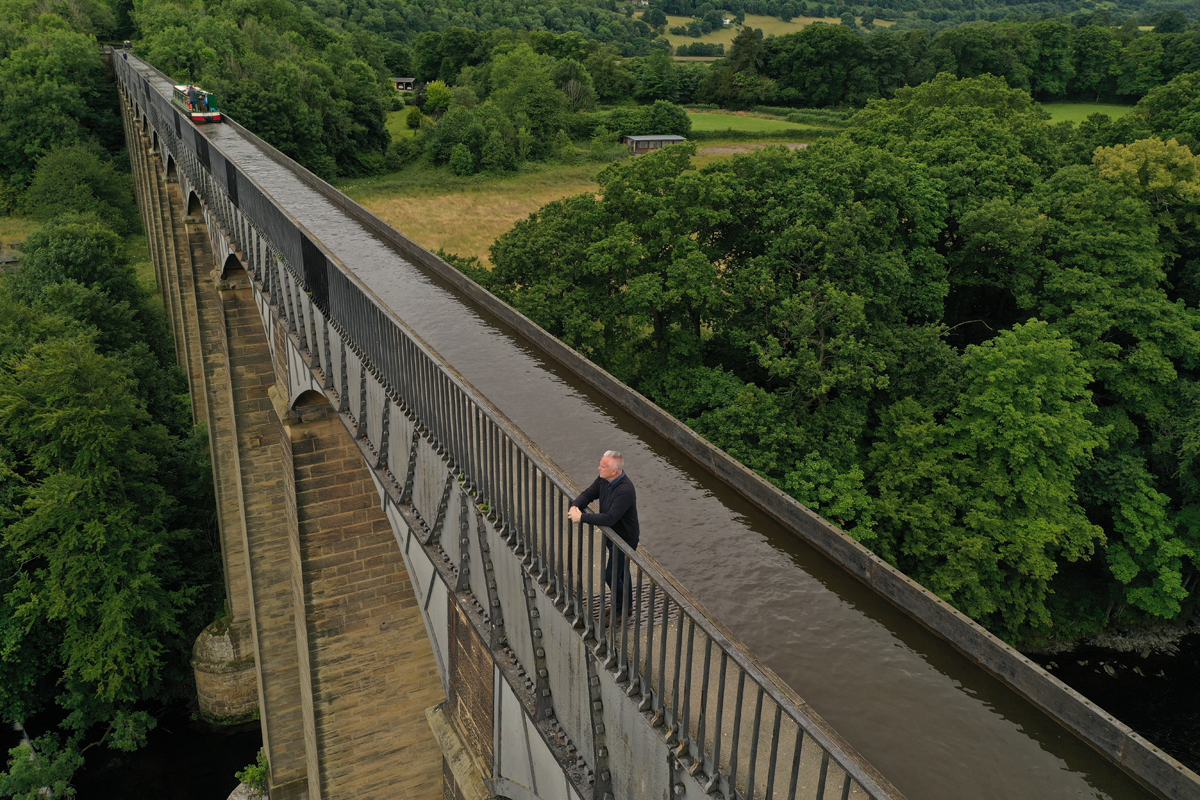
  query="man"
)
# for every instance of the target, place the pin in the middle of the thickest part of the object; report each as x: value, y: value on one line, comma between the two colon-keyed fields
x: 618, y: 510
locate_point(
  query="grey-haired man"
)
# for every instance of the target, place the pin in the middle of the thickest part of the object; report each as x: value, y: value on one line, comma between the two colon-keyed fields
x: 618, y: 510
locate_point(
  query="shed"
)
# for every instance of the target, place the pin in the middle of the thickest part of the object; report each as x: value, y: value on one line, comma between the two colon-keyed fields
x: 644, y: 144
x: 405, y: 84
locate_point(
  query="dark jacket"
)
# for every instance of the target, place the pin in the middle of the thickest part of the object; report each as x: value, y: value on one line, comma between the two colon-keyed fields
x: 618, y: 507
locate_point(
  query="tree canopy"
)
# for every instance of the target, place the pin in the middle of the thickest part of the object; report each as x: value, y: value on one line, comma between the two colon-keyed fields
x: 953, y: 330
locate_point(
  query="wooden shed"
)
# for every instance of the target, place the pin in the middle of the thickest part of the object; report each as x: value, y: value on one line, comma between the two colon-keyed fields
x: 644, y: 144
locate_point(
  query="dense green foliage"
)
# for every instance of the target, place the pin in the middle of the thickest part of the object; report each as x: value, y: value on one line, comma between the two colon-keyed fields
x: 105, y: 502
x: 54, y: 91
x: 836, y: 65
x: 969, y: 337
x: 107, y: 538
x: 316, y: 94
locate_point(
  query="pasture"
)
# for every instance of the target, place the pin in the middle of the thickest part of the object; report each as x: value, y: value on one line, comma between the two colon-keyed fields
x: 768, y: 25
x: 716, y: 121
x: 438, y: 210
x: 1078, y: 112
x: 395, y: 124
x: 15, y: 229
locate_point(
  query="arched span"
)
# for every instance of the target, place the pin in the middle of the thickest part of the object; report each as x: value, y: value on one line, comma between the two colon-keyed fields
x: 309, y: 405
x: 503, y: 787
x: 154, y: 141
x: 194, y: 208
x: 232, y: 268
x: 171, y: 172
x: 309, y: 399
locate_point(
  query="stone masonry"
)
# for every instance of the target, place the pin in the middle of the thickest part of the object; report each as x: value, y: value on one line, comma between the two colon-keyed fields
x: 372, y: 668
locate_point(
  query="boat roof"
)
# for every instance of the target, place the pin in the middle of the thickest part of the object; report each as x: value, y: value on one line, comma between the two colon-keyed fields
x: 183, y: 87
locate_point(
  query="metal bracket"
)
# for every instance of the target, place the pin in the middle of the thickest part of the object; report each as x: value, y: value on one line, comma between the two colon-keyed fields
x: 440, y: 519
x: 603, y: 777
x: 360, y: 424
x: 327, y: 361
x: 464, y: 546
x: 410, y: 477
x: 343, y: 382
x: 494, y: 614
x: 381, y: 458
x: 541, y: 674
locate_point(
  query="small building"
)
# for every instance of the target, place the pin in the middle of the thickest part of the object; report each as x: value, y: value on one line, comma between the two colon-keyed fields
x: 405, y: 84
x: 644, y: 144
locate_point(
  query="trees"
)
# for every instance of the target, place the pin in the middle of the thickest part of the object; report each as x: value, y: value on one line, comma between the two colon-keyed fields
x: 523, y: 84
x: 819, y: 65
x: 941, y: 330
x: 437, y: 97
x: 302, y: 87
x: 106, y: 577
x: 76, y: 178
x: 655, y: 18
x: 659, y: 117
x: 1096, y: 54
x: 54, y: 92
x: 737, y: 84
x: 981, y: 507
x: 1173, y: 110
x: 1051, y: 61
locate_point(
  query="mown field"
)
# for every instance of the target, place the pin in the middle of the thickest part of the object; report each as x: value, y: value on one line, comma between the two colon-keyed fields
x: 1078, y: 112
x: 716, y: 121
x: 464, y: 215
x: 768, y: 25
x: 395, y: 124
x: 14, y: 229
x: 439, y: 210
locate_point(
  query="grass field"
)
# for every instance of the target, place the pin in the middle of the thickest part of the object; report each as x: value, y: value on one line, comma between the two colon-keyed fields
x: 1078, y: 112
x: 395, y: 124
x: 138, y: 252
x: 768, y: 25
x: 15, y: 229
x: 713, y: 121
x: 465, y: 215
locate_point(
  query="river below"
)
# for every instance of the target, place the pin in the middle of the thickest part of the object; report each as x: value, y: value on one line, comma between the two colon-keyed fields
x: 1157, y: 695
x: 184, y: 759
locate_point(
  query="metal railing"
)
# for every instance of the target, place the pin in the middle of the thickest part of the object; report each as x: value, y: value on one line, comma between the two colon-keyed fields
x: 727, y: 718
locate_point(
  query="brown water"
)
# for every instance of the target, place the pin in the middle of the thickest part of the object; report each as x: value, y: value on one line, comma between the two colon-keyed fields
x: 935, y: 724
